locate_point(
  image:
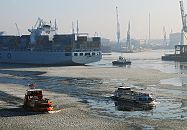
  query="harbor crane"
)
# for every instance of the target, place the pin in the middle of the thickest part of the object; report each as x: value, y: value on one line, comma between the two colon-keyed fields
x: 184, y: 27
x: 118, y: 27
x: 129, y: 37
x: 164, y: 34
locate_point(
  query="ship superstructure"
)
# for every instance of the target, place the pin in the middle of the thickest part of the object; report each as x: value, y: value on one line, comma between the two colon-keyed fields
x: 44, y: 46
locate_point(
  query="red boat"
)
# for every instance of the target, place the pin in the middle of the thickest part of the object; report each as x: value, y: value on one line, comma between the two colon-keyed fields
x: 34, y: 101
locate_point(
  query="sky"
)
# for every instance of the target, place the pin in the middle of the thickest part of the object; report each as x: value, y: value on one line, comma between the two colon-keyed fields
x: 94, y: 16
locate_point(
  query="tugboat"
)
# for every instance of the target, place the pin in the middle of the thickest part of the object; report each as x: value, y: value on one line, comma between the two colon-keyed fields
x: 127, y: 99
x: 34, y: 100
x: 121, y: 61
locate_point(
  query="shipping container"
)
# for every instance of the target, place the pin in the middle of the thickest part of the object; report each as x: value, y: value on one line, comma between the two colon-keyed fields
x: 25, y: 39
x: 64, y: 39
x: 96, y: 39
x: 81, y: 38
x: 9, y: 41
x: 43, y: 39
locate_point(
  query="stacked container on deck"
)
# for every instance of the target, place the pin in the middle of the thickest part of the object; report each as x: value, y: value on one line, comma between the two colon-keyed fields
x: 64, y: 42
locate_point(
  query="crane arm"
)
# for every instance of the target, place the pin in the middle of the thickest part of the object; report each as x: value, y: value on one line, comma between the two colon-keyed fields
x: 183, y: 15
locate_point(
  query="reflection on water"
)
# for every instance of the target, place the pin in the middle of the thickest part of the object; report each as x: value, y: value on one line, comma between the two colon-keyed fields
x: 124, y: 66
x: 183, y: 67
x: 147, y: 127
x: 122, y: 105
x: 178, y: 81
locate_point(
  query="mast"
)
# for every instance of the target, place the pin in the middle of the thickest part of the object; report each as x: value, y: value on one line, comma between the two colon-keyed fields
x: 56, y: 28
x: 77, y: 27
x: 73, y: 30
x: 118, y: 27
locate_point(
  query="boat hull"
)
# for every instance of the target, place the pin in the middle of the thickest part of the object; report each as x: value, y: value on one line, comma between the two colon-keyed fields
x: 121, y: 63
x: 173, y: 57
x: 127, y: 105
x: 47, y: 57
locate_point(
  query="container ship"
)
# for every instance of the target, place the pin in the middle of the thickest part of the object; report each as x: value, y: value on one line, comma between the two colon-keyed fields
x: 45, y: 47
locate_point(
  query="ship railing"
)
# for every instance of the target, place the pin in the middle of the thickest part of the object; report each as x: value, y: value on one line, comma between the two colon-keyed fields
x: 85, y: 50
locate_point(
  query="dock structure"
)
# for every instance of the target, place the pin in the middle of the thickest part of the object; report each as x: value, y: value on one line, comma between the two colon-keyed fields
x: 179, y: 55
x: 180, y: 50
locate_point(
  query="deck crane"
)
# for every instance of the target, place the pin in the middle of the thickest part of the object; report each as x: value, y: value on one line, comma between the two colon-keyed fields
x: 17, y: 29
x: 41, y: 27
x: 184, y: 27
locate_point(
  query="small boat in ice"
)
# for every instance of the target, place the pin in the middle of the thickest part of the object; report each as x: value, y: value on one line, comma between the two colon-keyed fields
x: 127, y: 99
x: 34, y: 100
x: 121, y: 61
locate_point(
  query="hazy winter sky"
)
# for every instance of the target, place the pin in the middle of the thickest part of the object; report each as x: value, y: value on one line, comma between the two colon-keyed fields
x: 94, y: 16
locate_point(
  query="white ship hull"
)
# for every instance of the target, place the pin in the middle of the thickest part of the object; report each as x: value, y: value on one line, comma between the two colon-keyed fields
x: 49, y: 58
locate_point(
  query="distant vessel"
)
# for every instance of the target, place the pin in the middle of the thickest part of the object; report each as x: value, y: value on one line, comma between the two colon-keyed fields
x: 1, y: 33
x: 105, y: 45
x: 106, y: 49
x: 44, y: 47
x: 121, y: 61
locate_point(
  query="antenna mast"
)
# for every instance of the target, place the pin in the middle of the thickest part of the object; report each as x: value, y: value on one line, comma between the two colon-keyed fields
x: 77, y: 27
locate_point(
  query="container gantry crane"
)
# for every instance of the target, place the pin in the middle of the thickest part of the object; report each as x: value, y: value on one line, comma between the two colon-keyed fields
x: 184, y: 27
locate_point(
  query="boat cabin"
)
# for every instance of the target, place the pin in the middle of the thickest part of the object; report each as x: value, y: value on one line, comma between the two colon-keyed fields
x: 121, y: 58
x: 122, y: 90
x: 34, y: 94
x: 181, y: 50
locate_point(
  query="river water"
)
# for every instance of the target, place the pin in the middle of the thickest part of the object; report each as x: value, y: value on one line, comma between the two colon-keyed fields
x: 96, y: 91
